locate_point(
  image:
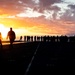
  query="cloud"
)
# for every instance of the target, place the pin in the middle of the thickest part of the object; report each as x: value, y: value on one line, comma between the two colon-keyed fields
x: 39, y: 16
x: 47, y: 3
x: 14, y: 6
x: 69, y: 14
x: 29, y: 13
x: 56, y: 8
x: 8, y: 6
x: 30, y: 8
x: 71, y: 6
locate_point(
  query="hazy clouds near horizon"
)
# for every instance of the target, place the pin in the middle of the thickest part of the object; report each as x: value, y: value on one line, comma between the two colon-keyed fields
x: 57, y: 16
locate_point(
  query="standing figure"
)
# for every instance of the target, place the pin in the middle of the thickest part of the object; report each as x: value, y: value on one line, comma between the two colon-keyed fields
x: 20, y: 38
x: 25, y: 38
x: 11, y: 35
x: 0, y: 40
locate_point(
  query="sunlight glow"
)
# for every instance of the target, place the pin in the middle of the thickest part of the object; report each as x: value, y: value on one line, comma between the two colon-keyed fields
x: 3, y: 31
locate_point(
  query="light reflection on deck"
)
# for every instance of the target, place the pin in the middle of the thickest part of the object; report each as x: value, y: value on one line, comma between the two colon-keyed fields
x: 13, y: 43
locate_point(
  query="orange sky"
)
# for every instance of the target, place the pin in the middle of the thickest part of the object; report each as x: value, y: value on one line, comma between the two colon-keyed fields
x: 31, y: 27
x: 37, y: 17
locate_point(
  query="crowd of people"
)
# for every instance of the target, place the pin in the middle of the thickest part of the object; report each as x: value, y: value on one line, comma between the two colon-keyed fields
x: 50, y: 38
x: 12, y: 36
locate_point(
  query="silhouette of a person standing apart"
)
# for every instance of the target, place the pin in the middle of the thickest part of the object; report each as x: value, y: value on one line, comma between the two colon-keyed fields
x: 0, y: 40
x: 11, y: 35
x: 20, y: 38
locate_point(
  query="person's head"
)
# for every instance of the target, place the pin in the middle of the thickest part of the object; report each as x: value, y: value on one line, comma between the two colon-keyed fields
x: 10, y: 28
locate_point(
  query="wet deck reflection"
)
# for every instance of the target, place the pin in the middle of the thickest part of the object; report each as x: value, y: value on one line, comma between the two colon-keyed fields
x: 7, y: 43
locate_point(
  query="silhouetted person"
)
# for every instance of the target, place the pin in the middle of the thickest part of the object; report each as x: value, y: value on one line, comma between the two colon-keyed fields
x: 34, y: 38
x: 25, y: 38
x: 52, y: 38
x: 63, y: 39
x: 41, y: 38
x: 31, y: 38
x: 38, y: 38
x: 28, y: 38
x: 47, y: 38
x: 0, y: 40
x: 11, y: 35
x: 44, y: 38
x: 20, y: 38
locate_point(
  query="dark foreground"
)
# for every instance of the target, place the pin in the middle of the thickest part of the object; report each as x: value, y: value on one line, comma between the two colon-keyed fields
x: 37, y: 58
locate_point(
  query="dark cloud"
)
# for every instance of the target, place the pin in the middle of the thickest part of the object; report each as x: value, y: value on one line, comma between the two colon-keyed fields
x: 14, y: 6
x: 10, y: 6
x: 68, y: 15
x: 72, y: 6
x: 56, y: 8
x: 46, y: 3
x: 17, y: 6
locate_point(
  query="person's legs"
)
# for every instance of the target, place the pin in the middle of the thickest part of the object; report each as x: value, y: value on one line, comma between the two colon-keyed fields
x: 11, y: 43
x: 0, y: 44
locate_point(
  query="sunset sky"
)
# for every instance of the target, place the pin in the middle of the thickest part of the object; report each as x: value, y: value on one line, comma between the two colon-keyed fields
x: 37, y: 17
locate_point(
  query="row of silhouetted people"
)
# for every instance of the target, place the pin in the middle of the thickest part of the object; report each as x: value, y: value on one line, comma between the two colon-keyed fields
x: 49, y: 38
x: 12, y: 36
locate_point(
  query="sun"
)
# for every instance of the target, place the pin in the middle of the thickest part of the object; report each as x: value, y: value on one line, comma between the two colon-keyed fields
x: 3, y: 31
